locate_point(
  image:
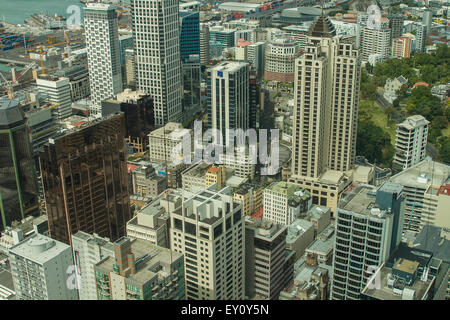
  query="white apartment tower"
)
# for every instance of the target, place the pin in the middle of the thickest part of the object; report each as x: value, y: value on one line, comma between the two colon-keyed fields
x: 102, y: 38
x: 208, y: 229
x: 156, y: 37
x: 58, y: 91
x: 376, y: 40
x: 411, y: 141
x: 88, y: 250
x: 229, y: 97
x: 41, y: 270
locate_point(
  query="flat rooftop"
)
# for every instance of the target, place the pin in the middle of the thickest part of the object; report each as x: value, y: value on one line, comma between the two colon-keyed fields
x: 149, y: 258
x: 361, y: 200
x: 423, y: 174
x: 385, y: 293
x: 39, y: 248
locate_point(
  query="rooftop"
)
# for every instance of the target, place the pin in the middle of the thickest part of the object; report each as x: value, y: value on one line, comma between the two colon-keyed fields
x: 396, y: 289
x: 361, y: 200
x: 289, y: 190
x: 39, y: 248
x: 10, y: 112
x: 151, y: 261
x: 297, y: 228
x: 322, y: 27
x: 423, y: 174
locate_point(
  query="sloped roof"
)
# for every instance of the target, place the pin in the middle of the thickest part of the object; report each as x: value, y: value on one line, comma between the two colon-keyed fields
x: 10, y: 112
x: 322, y: 27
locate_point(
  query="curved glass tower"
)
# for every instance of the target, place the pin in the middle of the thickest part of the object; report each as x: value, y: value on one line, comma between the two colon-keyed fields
x: 18, y: 188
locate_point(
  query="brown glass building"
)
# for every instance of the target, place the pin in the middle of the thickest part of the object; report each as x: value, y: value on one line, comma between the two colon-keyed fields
x: 85, y: 180
x: 18, y: 187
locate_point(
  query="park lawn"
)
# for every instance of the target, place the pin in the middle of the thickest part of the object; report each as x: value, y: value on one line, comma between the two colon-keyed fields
x: 378, y: 117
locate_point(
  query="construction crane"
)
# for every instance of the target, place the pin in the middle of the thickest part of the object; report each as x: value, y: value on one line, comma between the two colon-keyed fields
x: 25, y: 70
x: 9, y: 87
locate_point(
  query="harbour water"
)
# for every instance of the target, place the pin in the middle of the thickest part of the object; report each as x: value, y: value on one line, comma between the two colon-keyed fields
x: 16, y: 11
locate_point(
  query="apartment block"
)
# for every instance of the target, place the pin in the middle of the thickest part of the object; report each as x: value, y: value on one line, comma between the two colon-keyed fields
x: 284, y: 201
x: 39, y: 268
x: 411, y: 141
x: 88, y: 250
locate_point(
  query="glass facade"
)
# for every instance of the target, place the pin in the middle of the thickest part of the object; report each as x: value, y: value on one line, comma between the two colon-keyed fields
x: 85, y: 181
x: 18, y: 188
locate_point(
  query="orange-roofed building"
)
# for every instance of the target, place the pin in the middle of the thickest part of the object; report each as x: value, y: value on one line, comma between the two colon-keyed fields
x: 418, y: 84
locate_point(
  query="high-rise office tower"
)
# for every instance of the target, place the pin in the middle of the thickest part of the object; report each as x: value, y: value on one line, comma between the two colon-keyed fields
x: 18, y: 185
x: 208, y: 229
x: 85, y: 180
x: 327, y: 78
x: 368, y: 229
x: 265, y: 258
x: 228, y: 97
x: 156, y: 36
x: 189, y: 34
x: 41, y: 270
x: 102, y: 38
x: 58, y: 91
x: 411, y: 141
x: 204, y: 44
x: 190, y: 61
x: 376, y: 40
x: 138, y: 109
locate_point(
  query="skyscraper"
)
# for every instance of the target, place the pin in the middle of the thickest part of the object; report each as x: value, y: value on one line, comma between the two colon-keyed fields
x: 18, y: 186
x: 204, y: 44
x: 326, y: 100
x: 228, y: 97
x: 85, y: 180
x: 265, y: 258
x: 208, y: 229
x: 368, y: 229
x: 190, y: 61
x: 102, y: 38
x: 156, y: 37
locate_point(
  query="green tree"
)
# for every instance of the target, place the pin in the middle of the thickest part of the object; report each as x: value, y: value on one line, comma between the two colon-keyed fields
x: 440, y: 122
x: 444, y: 152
